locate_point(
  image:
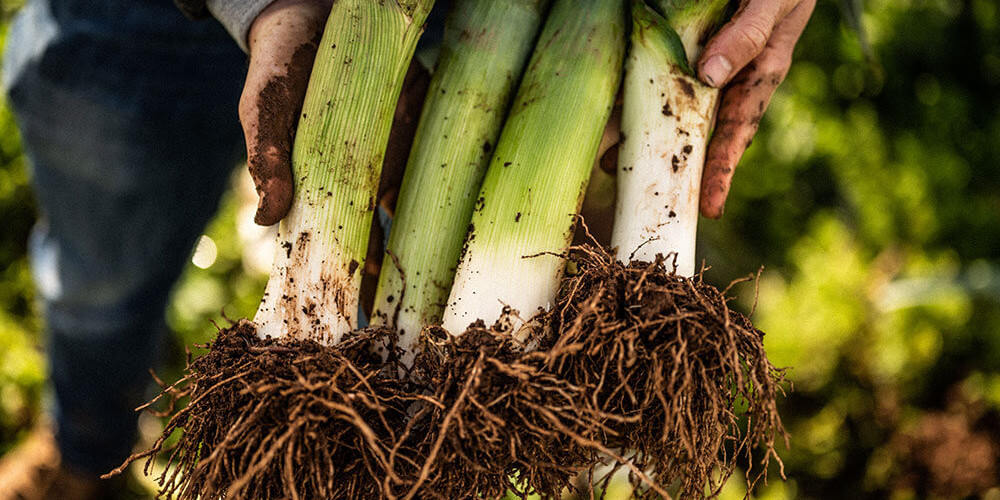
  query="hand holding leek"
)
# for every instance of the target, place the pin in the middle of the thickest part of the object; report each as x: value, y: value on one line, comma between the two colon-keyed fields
x: 748, y: 59
x: 340, y: 144
x: 282, y: 40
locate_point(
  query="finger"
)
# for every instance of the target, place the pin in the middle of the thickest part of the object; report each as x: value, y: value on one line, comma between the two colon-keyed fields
x: 283, y: 42
x: 743, y: 105
x: 741, y: 40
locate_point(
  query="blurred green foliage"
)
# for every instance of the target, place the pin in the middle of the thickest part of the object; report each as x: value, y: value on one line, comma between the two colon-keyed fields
x: 871, y: 196
x: 22, y: 368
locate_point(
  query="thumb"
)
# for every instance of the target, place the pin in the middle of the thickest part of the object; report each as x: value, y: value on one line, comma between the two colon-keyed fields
x: 741, y: 40
x: 283, y: 42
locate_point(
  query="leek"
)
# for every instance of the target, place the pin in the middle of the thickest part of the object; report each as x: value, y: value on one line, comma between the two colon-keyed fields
x: 484, y: 51
x: 525, y: 213
x: 313, y: 289
x: 667, y: 117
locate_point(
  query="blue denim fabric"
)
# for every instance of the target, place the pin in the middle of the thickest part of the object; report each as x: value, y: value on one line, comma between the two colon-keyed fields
x: 128, y: 113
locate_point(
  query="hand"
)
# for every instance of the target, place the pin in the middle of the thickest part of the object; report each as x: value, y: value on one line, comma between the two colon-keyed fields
x: 283, y: 40
x: 749, y: 57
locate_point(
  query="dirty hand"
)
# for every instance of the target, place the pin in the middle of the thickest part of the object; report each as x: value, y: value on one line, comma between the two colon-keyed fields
x: 748, y: 58
x: 283, y: 40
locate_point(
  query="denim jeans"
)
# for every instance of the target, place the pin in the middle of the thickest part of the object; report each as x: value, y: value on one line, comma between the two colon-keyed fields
x: 128, y: 115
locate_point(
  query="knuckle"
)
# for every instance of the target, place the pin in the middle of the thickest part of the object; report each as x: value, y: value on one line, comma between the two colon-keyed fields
x: 754, y: 35
x: 773, y: 68
x: 775, y: 61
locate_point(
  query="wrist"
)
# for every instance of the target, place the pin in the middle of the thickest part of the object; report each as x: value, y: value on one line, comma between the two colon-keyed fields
x: 288, y: 21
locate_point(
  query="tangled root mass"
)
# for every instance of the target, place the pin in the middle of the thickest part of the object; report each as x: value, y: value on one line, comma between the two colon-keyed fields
x: 634, y: 367
x: 669, y: 366
x: 282, y: 419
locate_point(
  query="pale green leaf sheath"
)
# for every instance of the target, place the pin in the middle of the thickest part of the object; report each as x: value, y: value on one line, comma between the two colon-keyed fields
x: 539, y: 171
x: 485, y: 48
x: 666, y: 121
x: 340, y: 143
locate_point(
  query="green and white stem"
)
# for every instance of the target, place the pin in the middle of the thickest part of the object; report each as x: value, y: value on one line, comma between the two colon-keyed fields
x: 525, y: 214
x: 667, y: 117
x: 485, y: 48
x: 313, y: 290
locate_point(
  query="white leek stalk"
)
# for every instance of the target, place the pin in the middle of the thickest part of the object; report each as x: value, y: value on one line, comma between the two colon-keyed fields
x: 485, y: 48
x: 340, y: 143
x: 667, y: 117
x: 524, y: 216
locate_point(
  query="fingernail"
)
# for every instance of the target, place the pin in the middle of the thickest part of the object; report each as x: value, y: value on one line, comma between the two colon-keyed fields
x: 716, y: 70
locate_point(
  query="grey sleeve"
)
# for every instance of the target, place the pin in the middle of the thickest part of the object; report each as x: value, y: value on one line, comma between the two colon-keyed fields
x: 237, y: 16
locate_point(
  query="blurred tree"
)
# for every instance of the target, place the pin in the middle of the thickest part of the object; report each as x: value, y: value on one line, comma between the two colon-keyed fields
x: 22, y: 368
x: 871, y: 196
